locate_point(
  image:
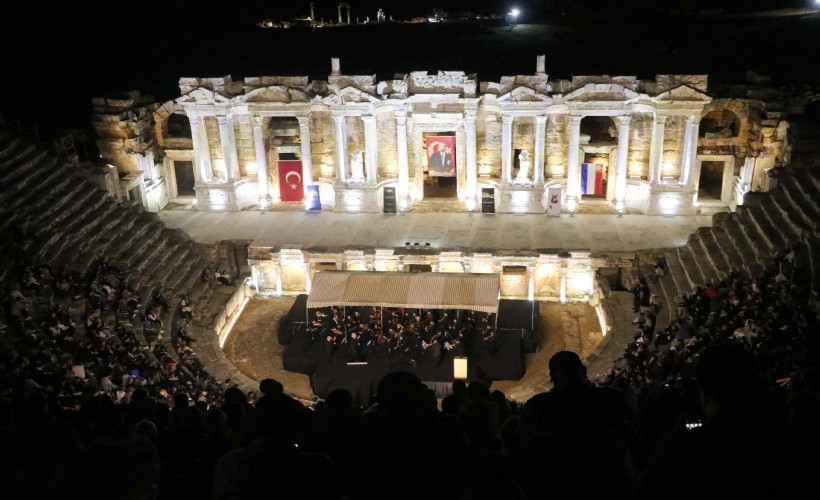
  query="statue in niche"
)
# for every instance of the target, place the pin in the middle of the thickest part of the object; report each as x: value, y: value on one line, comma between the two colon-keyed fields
x: 357, y: 167
x: 524, y: 167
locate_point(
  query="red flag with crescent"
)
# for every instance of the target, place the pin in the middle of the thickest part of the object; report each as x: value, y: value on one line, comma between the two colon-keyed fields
x: 290, y: 180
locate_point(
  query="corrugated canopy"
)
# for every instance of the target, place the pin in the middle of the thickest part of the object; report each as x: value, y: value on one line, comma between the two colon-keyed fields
x: 478, y: 292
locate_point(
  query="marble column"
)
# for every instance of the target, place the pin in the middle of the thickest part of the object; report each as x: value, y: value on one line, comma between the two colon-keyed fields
x: 623, y: 156
x: 226, y: 138
x: 563, y: 290
x: 261, y: 163
x: 340, y: 135
x: 656, y: 150
x: 371, y: 149
x: 472, y: 166
x: 690, y: 144
x: 506, y: 149
x: 540, y: 142
x: 530, y: 282
x: 202, y: 153
x: 573, y: 181
x: 404, y: 169
x: 307, y: 155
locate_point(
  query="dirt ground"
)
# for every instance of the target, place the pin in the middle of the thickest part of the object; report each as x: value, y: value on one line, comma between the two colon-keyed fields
x: 254, y: 348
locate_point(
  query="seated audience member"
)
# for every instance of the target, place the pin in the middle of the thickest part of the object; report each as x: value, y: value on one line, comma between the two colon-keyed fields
x: 223, y: 277
x: 736, y: 451
x: 186, y: 309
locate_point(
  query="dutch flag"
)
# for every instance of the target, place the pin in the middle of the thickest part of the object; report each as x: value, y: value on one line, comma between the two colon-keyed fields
x: 592, y: 178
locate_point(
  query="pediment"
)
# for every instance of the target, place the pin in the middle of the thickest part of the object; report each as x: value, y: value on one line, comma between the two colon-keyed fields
x: 350, y: 94
x: 524, y: 94
x: 204, y: 96
x: 683, y: 93
x: 276, y: 93
x: 601, y: 92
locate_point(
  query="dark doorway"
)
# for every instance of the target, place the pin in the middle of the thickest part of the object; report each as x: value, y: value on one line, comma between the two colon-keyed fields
x: 184, y: 171
x: 419, y: 268
x: 711, y: 180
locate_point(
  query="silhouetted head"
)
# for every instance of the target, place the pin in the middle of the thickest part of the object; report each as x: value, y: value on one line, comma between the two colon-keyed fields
x: 270, y: 386
x: 727, y: 378
x: 400, y: 391
x: 566, y: 368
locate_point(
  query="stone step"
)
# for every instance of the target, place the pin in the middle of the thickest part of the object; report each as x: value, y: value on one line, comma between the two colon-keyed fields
x: 32, y: 181
x: 35, y: 202
x: 11, y: 199
x: 784, y: 205
x: 813, y: 265
x: 676, y: 272
x: 713, y: 252
x: 191, y: 283
x: 773, y: 236
x: 121, y: 244
x: 154, y: 251
x: 806, y: 183
x: 755, y: 241
x: 690, y: 267
x: 24, y: 169
x: 727, y: 248
x: 707, y: 270
x: 740, y: 241
x: 790, y: 231
x: 164, y: 266
x: 132, y: 253
x: 16, y: 159
x: 799, y: 204
x: 85, y: 240
x: 57, y: 203
x: 9, y: 144
x: 76, y: 215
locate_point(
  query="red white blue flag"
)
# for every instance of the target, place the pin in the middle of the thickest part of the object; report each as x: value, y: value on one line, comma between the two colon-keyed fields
x: 592, y: 178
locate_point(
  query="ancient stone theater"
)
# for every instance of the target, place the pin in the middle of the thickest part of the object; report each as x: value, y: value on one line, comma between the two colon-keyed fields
x: 664, y: 146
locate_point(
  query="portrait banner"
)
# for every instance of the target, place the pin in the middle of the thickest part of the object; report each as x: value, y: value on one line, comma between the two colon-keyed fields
x: 290, y: 180
x: 441, y: 155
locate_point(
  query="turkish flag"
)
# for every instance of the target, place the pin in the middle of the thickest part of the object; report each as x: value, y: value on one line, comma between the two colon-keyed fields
x: 290, y: 180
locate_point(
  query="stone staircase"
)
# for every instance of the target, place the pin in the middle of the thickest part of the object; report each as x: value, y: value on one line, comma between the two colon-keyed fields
x: 745, y: 241
x: 69, y: 223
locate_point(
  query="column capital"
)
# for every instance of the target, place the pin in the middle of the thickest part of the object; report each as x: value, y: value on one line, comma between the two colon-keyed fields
x: 575, y: 120
x: 257, y: 121
x: 368, y: 119
x: 690, y: 119
x: 193, y: 118
x: 303, y: 120
x: 661, y: 119
x: 338, y: 118
x: 541, y: 119
x: 224, y: 119
x: 624, y: 120
x: 507, y: 119
x: 470, y: 114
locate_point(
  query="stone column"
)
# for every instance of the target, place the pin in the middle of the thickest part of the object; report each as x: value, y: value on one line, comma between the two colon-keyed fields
x: 307, y: 277
x: 472, y: 166
x: 202, y: 153
x: 261, y: 163
x: 656, y: 150
x: 623, y: 155
x: 531, y: 282
x: 277, y: 269
x: 226, y: 138
x: 340, y: 135
x: 573, y: 181
x: 404, y: 169
x: 307, y: 155
x: 371, y: 149
x: 540, y: 141
x: 506, y: 149
x: 690, y: 151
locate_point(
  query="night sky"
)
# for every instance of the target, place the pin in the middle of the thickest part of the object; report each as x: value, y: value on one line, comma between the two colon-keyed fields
x: 57, y: 55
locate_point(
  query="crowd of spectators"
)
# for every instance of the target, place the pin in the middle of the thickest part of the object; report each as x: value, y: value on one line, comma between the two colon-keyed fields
x: 365, y: 332
x: 722, y: 403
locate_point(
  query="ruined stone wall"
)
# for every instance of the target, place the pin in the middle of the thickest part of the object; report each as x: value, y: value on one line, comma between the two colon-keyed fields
x: 523, y: 135
x: 215, y: 146
x: 245, y: 149
x: 355, y: 136
x: 556, y: 149
x: 489, y: 144
x: 387, y: 145
x: 124, y: 126
x: 673, y: 146
x: 322, y: 147
x: 640, y: 141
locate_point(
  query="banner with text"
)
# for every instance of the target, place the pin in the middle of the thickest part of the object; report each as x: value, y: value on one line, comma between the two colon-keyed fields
x: 554, y: 201
x: 389, y: 200
x: 290, y: 180
x: 488, y: 200
x: 314, y: 203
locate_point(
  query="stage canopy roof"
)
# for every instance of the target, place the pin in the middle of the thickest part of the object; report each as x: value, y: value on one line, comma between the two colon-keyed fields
x: 478, y: 292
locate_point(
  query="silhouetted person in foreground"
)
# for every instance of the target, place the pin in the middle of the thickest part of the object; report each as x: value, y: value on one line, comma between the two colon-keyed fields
x: 593, y: 422
x: 737, y: 452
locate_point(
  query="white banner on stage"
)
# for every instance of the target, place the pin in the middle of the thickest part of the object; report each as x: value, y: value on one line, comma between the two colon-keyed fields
x: 554, y: 201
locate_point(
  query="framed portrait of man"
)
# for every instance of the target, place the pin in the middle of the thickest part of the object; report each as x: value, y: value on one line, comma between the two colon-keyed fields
x: 441, y: 155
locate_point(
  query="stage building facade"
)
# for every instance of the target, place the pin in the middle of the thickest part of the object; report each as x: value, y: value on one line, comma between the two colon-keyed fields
x: 668, y: 146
